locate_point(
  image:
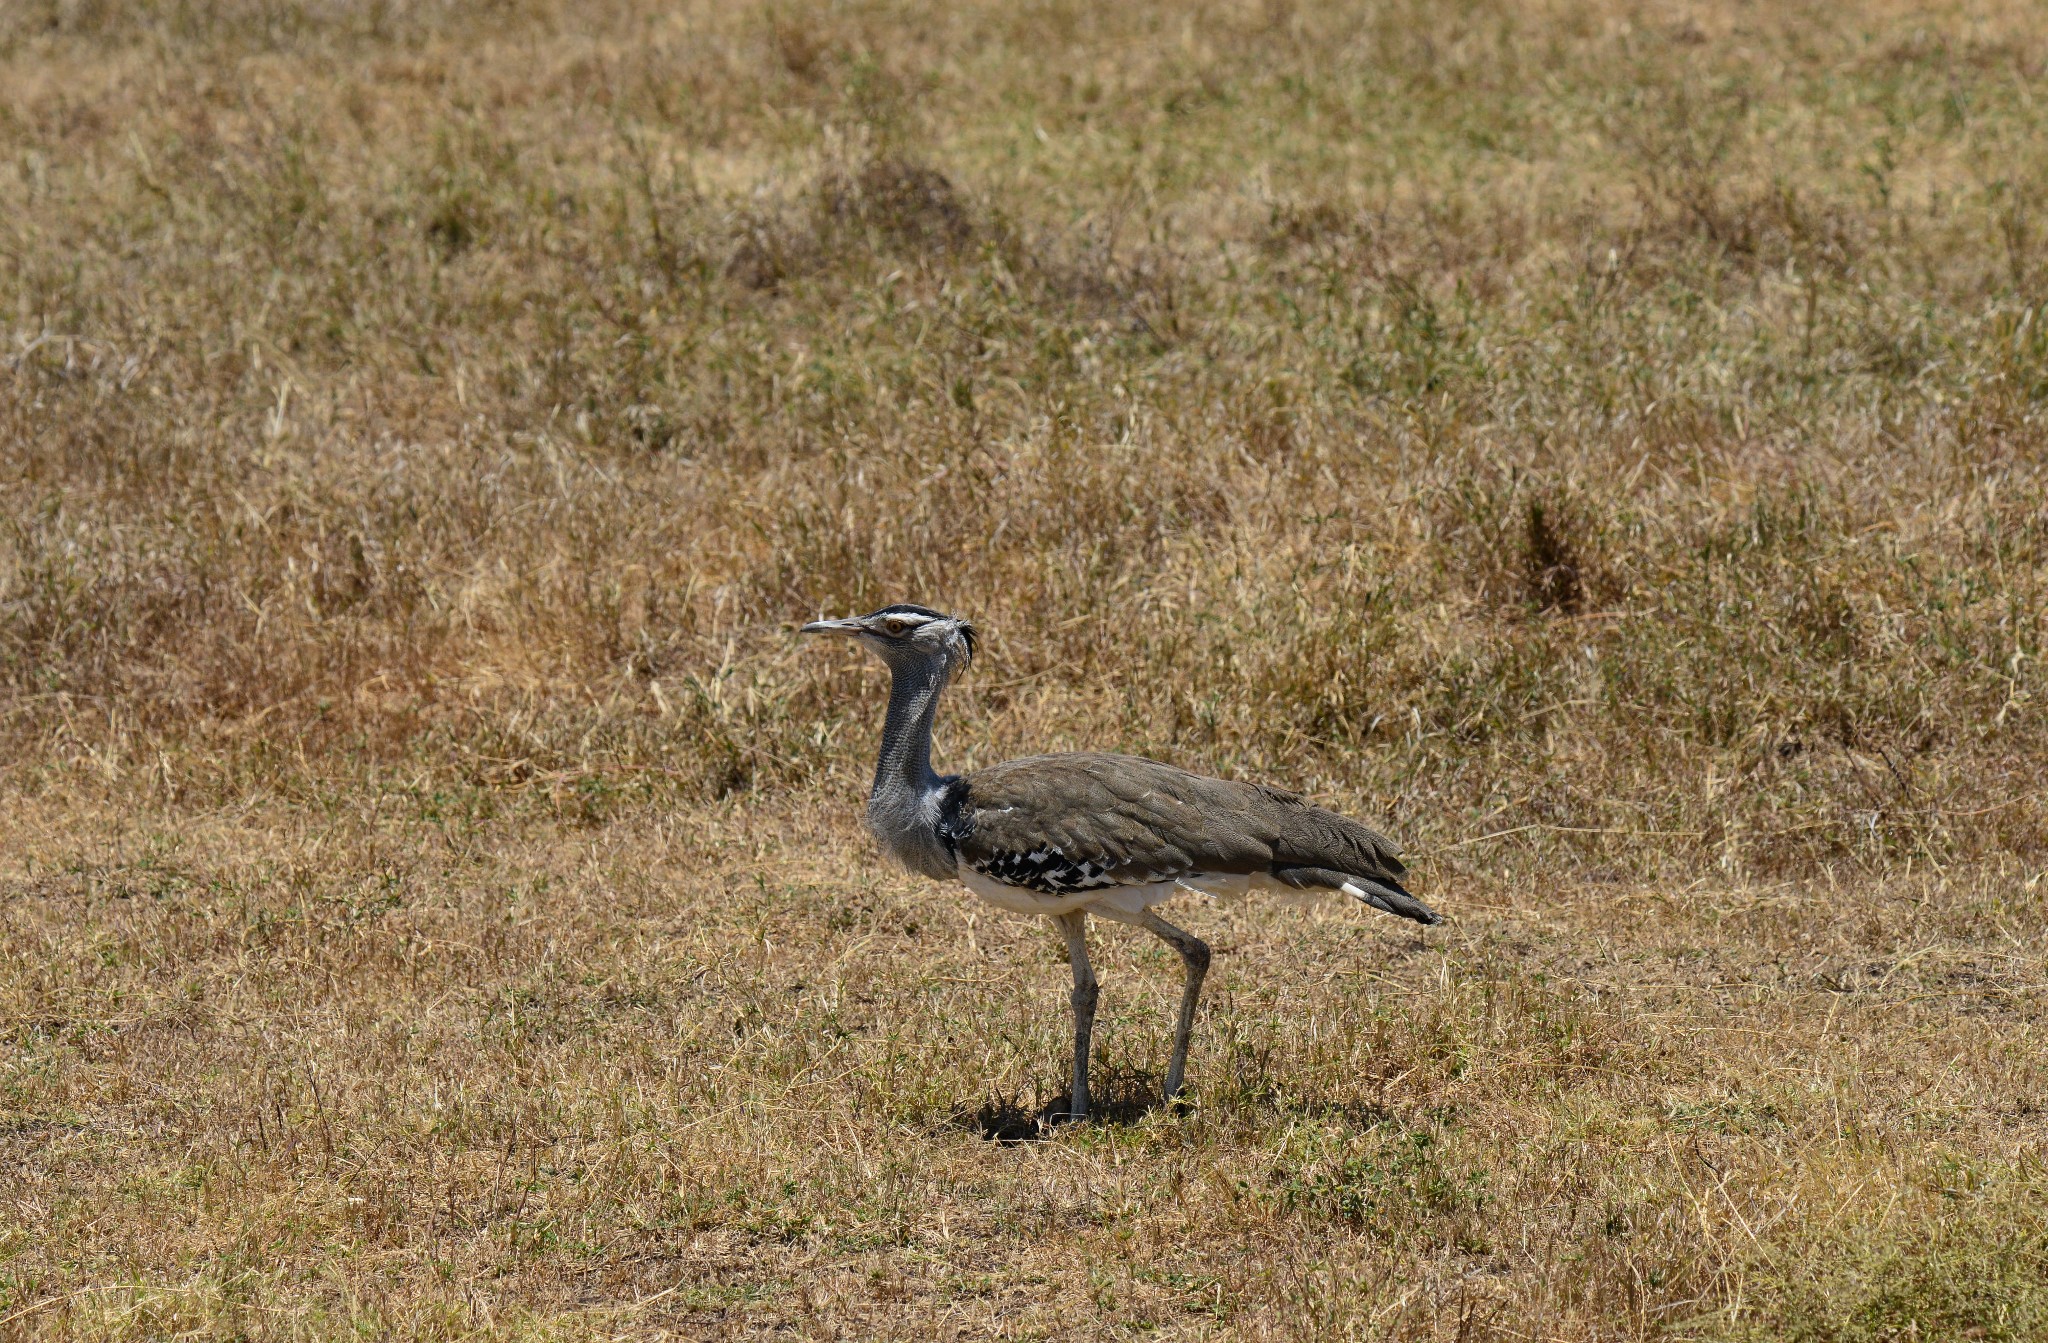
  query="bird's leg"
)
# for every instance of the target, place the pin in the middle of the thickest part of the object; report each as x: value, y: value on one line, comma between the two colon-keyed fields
x: 1194, y: 953
x: 1075, y: 926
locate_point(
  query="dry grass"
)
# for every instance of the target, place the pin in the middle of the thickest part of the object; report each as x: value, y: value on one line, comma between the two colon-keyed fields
x: 1605, y: 440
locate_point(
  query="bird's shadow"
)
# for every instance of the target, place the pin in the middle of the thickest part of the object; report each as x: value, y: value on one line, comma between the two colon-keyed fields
x: 1116, y: 1095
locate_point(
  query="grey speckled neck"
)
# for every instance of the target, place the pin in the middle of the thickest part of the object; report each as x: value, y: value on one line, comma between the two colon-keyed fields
x: 903, y: 809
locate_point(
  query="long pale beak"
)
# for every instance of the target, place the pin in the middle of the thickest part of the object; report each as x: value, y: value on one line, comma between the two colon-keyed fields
x: 850, y: 625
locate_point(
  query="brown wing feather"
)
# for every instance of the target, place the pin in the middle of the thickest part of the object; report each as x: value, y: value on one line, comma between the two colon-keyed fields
x: 1140, y: 820
x: 1314, y: 837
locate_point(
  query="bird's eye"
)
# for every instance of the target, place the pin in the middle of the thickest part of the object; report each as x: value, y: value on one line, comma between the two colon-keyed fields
x: 895, y: 626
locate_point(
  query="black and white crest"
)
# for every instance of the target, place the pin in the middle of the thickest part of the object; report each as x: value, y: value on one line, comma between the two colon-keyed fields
x: 969, y: 637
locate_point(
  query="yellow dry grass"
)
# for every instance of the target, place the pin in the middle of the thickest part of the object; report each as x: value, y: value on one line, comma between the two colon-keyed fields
x: 1605, y: 441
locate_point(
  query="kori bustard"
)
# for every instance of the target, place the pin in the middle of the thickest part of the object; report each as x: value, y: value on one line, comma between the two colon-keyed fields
x: 1067, y: 836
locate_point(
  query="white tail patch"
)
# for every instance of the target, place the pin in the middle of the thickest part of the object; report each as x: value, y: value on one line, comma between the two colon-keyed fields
x: 1361, y: 894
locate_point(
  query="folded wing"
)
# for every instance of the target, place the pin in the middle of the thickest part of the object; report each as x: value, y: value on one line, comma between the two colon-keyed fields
x: 1064, y: 823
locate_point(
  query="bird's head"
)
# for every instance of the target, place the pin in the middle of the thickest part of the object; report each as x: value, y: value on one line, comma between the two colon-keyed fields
x: 906, y: 635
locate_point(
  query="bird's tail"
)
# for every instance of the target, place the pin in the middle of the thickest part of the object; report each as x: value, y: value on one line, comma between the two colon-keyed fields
x: 1382, y: 893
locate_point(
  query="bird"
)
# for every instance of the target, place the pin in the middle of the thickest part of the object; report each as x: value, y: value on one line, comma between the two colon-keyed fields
x: 1069, y: 835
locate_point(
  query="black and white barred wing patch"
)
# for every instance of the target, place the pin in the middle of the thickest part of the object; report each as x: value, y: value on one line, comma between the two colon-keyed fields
x: 1048, y: 871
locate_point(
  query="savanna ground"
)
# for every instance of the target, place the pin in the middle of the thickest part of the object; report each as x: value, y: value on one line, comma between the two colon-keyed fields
x: 1607, y: 441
